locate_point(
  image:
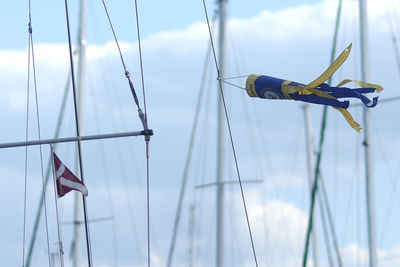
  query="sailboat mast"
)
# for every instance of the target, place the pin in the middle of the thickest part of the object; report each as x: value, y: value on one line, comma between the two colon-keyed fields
x: 220, y: 139
x: 80, y: 88
x: 310, y: 168
x: 367, y: 145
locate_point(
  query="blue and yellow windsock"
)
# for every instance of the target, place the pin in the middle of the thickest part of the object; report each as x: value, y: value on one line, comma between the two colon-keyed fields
x: 317, y: 92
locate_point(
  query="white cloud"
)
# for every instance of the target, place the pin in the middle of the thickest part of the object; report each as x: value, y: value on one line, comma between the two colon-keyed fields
x: 283, y: 226
x: 354, y: 255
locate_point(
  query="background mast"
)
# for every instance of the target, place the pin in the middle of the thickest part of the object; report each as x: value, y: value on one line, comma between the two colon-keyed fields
x: 77, y: 240
x: 369, y: 183
x: 220, y: 138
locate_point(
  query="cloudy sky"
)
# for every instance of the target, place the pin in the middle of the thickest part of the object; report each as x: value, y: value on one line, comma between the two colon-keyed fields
x: 278, y: 38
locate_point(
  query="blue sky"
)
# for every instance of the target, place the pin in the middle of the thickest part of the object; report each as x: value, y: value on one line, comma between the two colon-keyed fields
x: 155, y: 16
x: 275, y: 38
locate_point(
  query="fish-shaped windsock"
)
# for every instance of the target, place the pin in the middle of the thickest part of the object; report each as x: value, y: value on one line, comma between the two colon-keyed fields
x: 317, y: 92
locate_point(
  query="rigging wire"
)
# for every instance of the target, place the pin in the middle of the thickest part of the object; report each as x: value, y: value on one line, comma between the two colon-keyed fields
x: 40, y: 149
x: 31, y: 55
x: 235, y: 85
x: 234, y: 230
x: 143, y: 117
x: 147, y: 137
x: 127, y: 74
x: 254, y: 123
x: 88, y: 244
x: 230, y: 136
x: 26, y: 148
x: 109, y: 82
x: 141, y: 60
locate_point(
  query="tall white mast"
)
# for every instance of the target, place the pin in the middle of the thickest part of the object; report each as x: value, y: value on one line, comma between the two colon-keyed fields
x: 80, y: 88
x: 367, y: 145
x: 220, y: 139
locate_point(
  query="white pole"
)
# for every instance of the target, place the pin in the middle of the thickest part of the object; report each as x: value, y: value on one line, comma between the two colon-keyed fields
x: 74, y: 90
x: 367, y: 145
x: 220, y: 140
x: 77, y: 230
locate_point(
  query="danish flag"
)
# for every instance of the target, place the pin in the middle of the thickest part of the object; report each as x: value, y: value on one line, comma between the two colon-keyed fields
x: 66, y: 180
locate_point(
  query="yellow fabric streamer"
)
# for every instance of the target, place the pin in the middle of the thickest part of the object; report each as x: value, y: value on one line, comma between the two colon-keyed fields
x: 331, y: 69
x: 327, y: 74
x: 349, y: 119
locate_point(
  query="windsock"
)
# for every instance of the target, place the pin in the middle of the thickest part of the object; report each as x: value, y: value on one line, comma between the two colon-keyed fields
x: 316, y: 92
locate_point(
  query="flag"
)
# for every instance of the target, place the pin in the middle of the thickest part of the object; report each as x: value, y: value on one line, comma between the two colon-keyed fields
x: 66, y: 180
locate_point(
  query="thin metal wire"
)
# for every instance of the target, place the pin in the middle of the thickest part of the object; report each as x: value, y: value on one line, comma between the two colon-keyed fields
x: 141, y: 60
x: 147, y: 138
x: 31, y: 55
x: 115, y: 36
x: 26, y: 148
x: 142, y: 116
x: 127, y: 74
x: 40, y: 149
x: 235, y: 77
x: 230, y: 136
x: 148, y: 202
x: 88, y: 245
x: 235, y: 85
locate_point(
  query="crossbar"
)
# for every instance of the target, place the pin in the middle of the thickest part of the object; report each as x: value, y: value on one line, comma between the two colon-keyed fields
x: 75, y: 139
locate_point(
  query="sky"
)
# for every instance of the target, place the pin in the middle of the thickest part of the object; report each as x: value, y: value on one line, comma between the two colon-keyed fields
x: 276, y: 38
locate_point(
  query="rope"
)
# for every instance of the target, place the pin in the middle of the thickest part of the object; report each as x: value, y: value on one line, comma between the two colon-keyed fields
x: 26, y: 134
x: 321, y: 141
x: 31, y: 55
x: 26, y: 148
x: 41, y: 153
x: 230, y: 136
